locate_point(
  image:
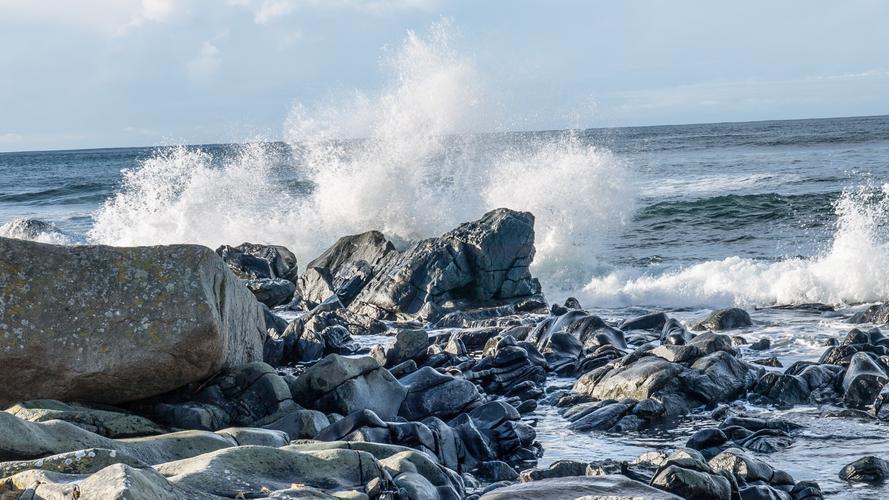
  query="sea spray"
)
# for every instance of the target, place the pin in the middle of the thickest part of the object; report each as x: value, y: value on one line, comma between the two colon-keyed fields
x: 398, y: 161
x: 853, y: 269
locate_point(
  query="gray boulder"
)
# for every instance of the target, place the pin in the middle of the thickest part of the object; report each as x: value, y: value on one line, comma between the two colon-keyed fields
x: 863, y: 381
x: 108, y: 325
x: 112, y: 423
x: 479, y: 263
x: 250, y: 261
x: 430, y: 393
x: 346, y: 385
x: 725, y: 319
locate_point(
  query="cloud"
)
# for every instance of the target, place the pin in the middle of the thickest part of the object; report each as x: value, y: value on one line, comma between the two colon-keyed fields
x: 10, y: 138
x: 205, y: 65
x: 156, y: 11
x: 269, y: 10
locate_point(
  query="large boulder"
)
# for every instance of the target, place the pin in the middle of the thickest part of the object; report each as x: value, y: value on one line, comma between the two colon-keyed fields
x: 479, y: 263
x: 725, y: 319
x: 614, y: 487
x: 108, y: 325
x: 250, y: 261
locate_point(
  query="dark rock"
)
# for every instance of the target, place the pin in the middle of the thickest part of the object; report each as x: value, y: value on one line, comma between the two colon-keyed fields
x: 250, y: 261
x: 653, y: 321
x: 410, y: 345
x: 479, y: 263
x: 761, y: 345
x: 271, y: 291
x: 869, y: 469
x: 877, y: 313
x: 612, y: 487
x: 430, y: 393
x: 725, y: 319
x: 496, y: 470
x: 559, y: 468
x: 863, y: 381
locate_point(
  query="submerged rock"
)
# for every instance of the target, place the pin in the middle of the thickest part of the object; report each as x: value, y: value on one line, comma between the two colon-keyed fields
x: 866, y: 470
x: 725, y: 319
x: 108, y: 325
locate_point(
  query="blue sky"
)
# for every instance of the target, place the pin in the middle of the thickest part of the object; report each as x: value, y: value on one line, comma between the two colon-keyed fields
x: 128, y: 72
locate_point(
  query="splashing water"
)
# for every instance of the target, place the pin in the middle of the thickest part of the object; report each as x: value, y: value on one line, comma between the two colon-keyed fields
x: 414, y: 174
x: 853, y: 269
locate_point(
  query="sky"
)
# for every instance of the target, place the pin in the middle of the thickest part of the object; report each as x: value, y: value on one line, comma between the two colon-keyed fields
x: 116, y: 73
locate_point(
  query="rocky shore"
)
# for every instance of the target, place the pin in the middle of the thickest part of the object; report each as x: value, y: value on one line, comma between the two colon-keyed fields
x: 170, y: 372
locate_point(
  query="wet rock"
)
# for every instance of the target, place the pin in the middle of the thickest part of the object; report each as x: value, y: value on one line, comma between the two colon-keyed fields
x: 799, y: 384
x: 725, y: 319
x: 615, y: 487
x: 271, y: 291
x: 510, y: 369
x: 761, y: 345
x: 420, y: 477
x: 559, y: 468
x: 685, y: 473
x: 430, y: 393
x: 161, y: 317
x: 863, y: 381
x: 477, y: 263
x: 771, y: 361
x: 345, y: 385
x: 106, y: 421
x: 653, y: 321
x: 877, y: 313
x: 869, y: 469
x: 250, y: 261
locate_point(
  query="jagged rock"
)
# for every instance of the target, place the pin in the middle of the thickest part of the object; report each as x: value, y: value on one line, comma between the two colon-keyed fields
x: 559, y: 468
x: 799, y: 384
x: 250, y: 261
x: 345, y: 385
x: 271, y: 291
x: 430, y: 393
x: 365, y: 425
x: 725, y: 319
x: 510, y: 368
x: 686, y: 474
x: 345, y: 268
x: 410, y: 345
x: 869, y: 469
x: 119, y: 324
x: 612, y: 487
x: 250, y: 395
x: 310, y: 338
x: 481, y: 262
x: 877, y: 313
x: 108, y: 422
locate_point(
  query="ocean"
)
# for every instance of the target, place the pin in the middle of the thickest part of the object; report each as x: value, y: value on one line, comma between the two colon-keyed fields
x: 683, y: 218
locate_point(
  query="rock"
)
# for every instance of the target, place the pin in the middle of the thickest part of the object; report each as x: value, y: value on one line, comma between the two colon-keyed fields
x: 253, y: 394
x: 559, y: 468
x: 345, y: 385
x: 761, y: 345
x: 877, y: 313
x: 250, y: 261
x: 725, y: 319
x: 430, y: 393
x: 249, y: 470
x: 104, y: 422
x: 653, y: 321
x: 510, y: 369
x: 300, y: 424
x: 869, y: 469
x: 614, y: 487
x: 422, y: 477
x: 863, y: 381
x: 692, y: 484
x: 86, y: 461
x: 479, y: 263
x: 119, y: 324
x: 271, y: 292
x: 345, y: 268
x: 115, y: 481
x: 409, y: 345
x: 807, y: 384
x: 742, y: 466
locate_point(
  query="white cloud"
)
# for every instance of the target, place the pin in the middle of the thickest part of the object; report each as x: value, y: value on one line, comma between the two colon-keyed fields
x: 270, y: 10
x: 205, y: 65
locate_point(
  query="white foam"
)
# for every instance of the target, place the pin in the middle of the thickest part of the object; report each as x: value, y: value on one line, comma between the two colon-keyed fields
x: 854, y: 269
x: 410, y: 176
x: 35, y: 230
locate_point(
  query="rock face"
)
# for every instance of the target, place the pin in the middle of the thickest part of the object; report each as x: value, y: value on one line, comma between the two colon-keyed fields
x: 481, y: 262
x: 104, y: 324
x: 610, y: 486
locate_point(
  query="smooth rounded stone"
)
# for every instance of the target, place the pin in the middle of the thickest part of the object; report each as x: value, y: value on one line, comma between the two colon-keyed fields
x: 742, y: 466
x: 161, y: 317
x: 652, y: 321
x: 446, y: 483
x: 725, y: 319
x: 85, y: 461
x: 430, y: 393
x: 345, y: 385
x: 410, y: 345
x: 254, y: 261
x: 798, y: 384
x: 479, y: 263
x: 104, y: 422
x: 300, y: 424
x: 692, y: 484
x: 868, y: 469
x: 22, y: 440
x: 115, y: 481
x: 706, y: 438
x: 495, y: 470
x: 720, y: 377
x: 612, y: 487
x: 771, y: 361
x: 756, y: 424
x: 863, y: 381
x: 271, y: 291
x: 760, y: 345
x: 601, y: 419
x: 247, y: 470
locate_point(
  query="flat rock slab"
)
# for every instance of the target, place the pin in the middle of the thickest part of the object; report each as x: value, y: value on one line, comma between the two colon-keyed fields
x: 613, y: 487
